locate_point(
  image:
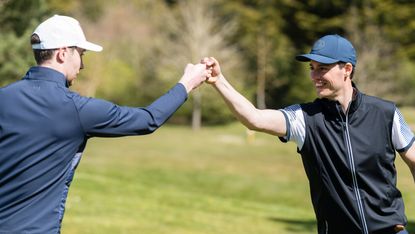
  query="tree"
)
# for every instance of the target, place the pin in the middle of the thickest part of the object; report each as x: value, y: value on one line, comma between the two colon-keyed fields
x: 195, y: 31
x: 125, y: 72
x: 374, y: 53
x: 15, y: 52
x: 18, y: 19
x: 383, y: 33
x: 269, y: 52
x: 382, y: 66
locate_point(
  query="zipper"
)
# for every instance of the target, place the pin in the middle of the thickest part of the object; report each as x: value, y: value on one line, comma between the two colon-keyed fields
x: 327, y: 226
x: 353, y: 171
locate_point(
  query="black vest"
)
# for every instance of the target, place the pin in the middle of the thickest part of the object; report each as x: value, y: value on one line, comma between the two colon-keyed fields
x: 349, y: 161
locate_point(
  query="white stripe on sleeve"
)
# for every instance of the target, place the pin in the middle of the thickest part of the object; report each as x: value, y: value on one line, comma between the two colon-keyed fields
x: 296, y: 124
x: 402, y: 134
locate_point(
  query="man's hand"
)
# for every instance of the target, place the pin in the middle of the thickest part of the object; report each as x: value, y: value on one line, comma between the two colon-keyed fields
x: 213, y: 65
x: 194, y: 76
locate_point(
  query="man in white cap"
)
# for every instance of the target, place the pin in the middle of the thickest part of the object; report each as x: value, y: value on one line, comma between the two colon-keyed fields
x: 347, y: 141
x: 44, y: 126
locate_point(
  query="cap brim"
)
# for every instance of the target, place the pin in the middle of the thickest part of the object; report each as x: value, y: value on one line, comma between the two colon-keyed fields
x: 90, y: 46
x: 315, y: 57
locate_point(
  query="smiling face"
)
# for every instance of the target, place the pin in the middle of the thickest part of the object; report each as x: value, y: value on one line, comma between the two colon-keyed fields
x: 330, y: 80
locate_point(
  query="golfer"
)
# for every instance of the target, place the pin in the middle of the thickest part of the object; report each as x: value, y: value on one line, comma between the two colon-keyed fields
x: 347, y: 141
x: 44, y: 126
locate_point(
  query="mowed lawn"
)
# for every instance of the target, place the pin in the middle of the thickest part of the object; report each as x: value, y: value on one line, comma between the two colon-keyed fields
x: 215, y: 180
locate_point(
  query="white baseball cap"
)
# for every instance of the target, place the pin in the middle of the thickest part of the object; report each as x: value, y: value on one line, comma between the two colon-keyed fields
x: 62, y: 31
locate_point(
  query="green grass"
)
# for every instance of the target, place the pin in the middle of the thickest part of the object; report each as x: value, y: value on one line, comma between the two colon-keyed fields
x: 211, y: 181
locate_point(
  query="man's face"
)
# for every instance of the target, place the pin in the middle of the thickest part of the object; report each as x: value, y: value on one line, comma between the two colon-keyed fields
x: 75, y: 63
x: 329, y: 79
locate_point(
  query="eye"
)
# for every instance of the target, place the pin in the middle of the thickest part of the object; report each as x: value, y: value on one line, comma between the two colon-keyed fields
x: 323, y: 68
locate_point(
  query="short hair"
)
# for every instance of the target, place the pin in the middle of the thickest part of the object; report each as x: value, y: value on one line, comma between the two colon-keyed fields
x: 40, y: 55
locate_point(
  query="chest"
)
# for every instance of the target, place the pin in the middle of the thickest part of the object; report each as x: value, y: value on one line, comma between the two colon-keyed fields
x: 361, y: 140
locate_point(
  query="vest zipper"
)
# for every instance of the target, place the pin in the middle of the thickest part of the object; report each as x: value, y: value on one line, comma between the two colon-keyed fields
x: 327, y: 226
x: 353, y: 171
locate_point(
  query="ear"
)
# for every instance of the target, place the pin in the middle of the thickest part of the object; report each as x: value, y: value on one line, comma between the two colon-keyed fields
x: 60, y: 55
x: 348, y: 69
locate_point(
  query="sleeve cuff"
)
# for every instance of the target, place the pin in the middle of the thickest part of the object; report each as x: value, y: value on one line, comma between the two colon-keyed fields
x: 406, y: 148
x: 286, y: 138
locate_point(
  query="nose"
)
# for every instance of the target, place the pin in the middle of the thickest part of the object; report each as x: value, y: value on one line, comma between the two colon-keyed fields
x: 315, y: 75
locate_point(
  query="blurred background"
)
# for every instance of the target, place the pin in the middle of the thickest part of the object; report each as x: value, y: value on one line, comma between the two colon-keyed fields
x: 221, y: 178
x: 147, y: 44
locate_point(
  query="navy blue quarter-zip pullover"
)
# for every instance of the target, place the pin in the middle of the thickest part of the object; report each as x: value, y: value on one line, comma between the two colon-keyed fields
x: 44, y: 128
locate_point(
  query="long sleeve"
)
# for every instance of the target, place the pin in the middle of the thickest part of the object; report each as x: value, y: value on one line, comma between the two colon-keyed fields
x: 105, y: 119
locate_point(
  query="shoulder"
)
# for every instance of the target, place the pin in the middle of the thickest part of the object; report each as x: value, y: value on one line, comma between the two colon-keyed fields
x: 312, y: 108
x: 10, y: 85
x: 78, y: 100
x: 376, y: 100
x: 308, y: 108
x: 373, y: 102
x: 304, y: 110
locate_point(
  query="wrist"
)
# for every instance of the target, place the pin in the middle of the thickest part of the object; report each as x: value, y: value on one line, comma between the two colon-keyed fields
x: 186, y: 86
x: 214, y: 80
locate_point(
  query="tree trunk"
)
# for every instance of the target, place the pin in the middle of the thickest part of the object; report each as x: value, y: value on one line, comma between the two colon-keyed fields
x: 261, y: 71
x: 197, y: 110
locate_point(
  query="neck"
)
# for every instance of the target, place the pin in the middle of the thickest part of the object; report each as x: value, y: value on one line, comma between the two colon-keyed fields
x: 346, y: 98
x: 53, y: 66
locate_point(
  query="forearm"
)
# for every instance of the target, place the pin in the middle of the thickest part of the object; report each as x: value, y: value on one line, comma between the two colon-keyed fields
x: 409, y: 159
x: 412, y: 168
x: 268, y: 121
x: 241, y: 107
x: 105, y: 119
x: 165, y: 106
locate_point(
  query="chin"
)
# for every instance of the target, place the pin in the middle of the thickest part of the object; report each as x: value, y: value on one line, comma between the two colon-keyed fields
x: 320, y: 94
x: 323, y: 95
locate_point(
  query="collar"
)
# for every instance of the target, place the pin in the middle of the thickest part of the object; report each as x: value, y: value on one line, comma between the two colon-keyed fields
x: 335, y: 106
x: 45, y: 73
x: 356, y: 100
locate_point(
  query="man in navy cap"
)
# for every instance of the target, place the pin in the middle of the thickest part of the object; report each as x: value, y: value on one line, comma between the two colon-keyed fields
x: 347, y: 141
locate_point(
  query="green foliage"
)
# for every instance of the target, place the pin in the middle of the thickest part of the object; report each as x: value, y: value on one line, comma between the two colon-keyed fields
x: 92, y: 9
x: 15, y: 57
x: 185, y: 41
x: 396, y: 19
x: 18, y: 16
x: 406, y: 82
x: 148, y: 43
x: 18, y: 19
x: 117, y: 82
x: 15, y: 52
x: 269, y: 50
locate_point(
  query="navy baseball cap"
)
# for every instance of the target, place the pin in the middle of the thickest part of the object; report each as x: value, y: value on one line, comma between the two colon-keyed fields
x: 330, y: 49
